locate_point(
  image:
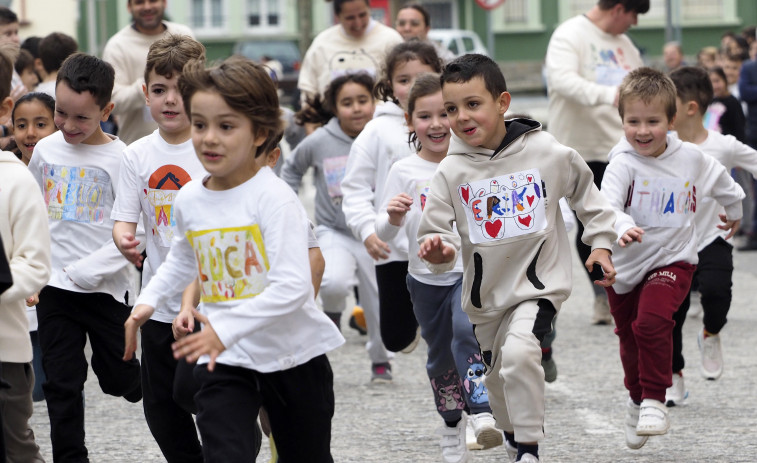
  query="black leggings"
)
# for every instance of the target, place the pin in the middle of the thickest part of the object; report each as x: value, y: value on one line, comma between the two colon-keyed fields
x: 397, y: 320
x: 584, y: 250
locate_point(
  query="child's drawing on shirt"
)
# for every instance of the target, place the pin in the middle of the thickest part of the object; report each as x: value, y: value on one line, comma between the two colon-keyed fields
x: 77, y: 194
x: 421, y: 192
x: 163, y: 185
x: 661, y: 202
x: 504, y: 207
x: 232, y: 262
x: 610, y: 66
x: 333, y: 173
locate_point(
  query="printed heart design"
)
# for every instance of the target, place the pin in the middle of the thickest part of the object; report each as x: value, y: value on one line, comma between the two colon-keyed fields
x: 530, y: 199
x: 493, y: 228
x: 525, y: 220
x: 530, y: 178
x: 465, y: 194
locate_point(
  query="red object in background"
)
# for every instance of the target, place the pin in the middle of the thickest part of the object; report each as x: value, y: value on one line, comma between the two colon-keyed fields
x: 489, y: 4
x: 380, y: 12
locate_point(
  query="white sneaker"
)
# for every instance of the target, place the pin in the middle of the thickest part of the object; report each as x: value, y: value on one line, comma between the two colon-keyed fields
x: 452, y: 443
x: 487, y: 434
x: 512, y: 451
x: 695, y: 305
x: 414, y: 343
x: 601, y: 311
x: 677, y: 393
x: 653, y: 418
x: 528, y: 458
x: 470, y: 437
x: 712, y: 355
x: 633, y: 440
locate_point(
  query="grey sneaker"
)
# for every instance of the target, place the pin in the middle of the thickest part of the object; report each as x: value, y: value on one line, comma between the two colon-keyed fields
x: 550, y: 369
x: 601, y: 311
x: 712, y: 355
x: 677, y: 393
x: 381, y: 373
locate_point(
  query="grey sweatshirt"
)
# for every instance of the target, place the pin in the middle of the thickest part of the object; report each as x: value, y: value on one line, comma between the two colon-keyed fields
x: 326, y: 150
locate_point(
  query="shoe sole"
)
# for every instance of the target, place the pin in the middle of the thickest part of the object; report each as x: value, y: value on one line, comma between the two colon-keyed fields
x: 490, y: 437
x: 636, y: 446
x: 381, y: 381
x: 652, y: 432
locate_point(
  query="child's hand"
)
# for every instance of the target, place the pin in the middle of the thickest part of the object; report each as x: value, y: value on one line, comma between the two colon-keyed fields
x: 138, y: 317
x: 205, y: 342
x: 732, y: 225
x: 631, y: 235
x: 32, y: 300
x: 398, y: 207
x: 602, y: 257
x: 376, y: 248
x: 183, y: 324
x: 127, y: 244
x: 436, y: 252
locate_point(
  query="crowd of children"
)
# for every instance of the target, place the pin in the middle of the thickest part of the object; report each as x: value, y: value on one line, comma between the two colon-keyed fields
x: 423, y: 189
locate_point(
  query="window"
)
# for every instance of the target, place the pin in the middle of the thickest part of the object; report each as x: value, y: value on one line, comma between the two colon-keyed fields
x: 442, y: 13
x: 208, y: 16
x: 517, y: 16
x: 264, y: 15
x: 685, y: 12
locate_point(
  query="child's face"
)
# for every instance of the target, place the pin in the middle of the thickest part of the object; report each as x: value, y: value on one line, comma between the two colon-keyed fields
x: 29, y: 78
x: 9, y: 33
x: 732, y: 69
x: 354, y: 108
x: 474, y: 115
x: 167, y: 108
x: 78, y: 115
x: 33, y: 122
x: 225, y: 141
x: 430, y: 123
x: 646, y: 126
x: 719, y: 86
x: 404, y: 77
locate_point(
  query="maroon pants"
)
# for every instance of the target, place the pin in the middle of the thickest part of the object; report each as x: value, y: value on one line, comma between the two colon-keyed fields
x: 644, y: 323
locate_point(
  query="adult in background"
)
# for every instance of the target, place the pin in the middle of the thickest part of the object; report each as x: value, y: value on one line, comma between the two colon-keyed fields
x: 414, y: 21
x: 587, y: 58
x: 672, y: 55
x: 126, y: 51
x: 356, y: 43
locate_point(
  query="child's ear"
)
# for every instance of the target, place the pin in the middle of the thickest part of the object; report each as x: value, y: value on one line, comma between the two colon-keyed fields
x: 6, y: 107
x: 503, y: 102
x: 105, y: 112
x: 273, y: 157
x: 147, y: 95
x: 692, y: 108
x: 409, y: 122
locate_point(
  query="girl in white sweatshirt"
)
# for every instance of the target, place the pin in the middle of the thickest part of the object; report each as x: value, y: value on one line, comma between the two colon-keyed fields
x: 383, y: 142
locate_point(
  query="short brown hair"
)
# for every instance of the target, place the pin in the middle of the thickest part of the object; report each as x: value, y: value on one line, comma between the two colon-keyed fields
x: 245, y: 86
x: 8, y: 52
x: 168, y: 55
x: 693, y: 84
x: 54, y: 49
x: 647, y: 84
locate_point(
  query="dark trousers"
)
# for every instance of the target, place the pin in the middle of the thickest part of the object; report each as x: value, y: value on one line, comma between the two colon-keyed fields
x: 584, y: 250
x: 644, y: 325
x: 714, y: 276
x: 66, y: 318
x: 299, y: 402
x: 397, y: 320
x: 172, y: 427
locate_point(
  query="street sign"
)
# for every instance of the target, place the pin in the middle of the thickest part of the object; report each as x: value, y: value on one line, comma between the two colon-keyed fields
x: 489, y: 4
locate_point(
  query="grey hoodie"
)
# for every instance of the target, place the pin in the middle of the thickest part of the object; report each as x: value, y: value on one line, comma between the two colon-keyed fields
x: 505, y: 203
x: 326, y: 150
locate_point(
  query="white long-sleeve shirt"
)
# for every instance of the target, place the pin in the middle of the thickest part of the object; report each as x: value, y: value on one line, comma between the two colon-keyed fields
x: 249, y: 248
x: 382, y: 142
x: 78, y: 183
x: 412, y: 176
x: 584, y: 67
x: 661, y: 196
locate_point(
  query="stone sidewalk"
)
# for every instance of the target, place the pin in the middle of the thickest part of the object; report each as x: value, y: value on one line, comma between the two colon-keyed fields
x: 397, y: 422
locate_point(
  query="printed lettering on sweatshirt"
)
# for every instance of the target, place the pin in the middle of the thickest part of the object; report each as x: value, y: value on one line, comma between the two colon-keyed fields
x: 76, y: 194
x: 162, y: 187
x: 232, y: 262
x: 661, y: 202
x: 504, y: 207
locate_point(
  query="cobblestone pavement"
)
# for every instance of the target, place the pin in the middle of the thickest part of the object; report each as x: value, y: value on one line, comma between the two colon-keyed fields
x: 397, y: 422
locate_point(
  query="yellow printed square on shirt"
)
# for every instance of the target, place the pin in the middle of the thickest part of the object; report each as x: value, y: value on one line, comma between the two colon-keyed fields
x: 231, y: 262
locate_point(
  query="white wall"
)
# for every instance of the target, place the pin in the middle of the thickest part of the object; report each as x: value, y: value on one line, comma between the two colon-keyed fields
x: 46, y: 16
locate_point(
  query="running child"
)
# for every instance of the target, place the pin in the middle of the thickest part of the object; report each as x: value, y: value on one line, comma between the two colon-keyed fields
x: 653, y: 182
x: 382, y: 143
x: 714, y: 273
x: 76, y: 169
x: 243, y: 233
x: 454, y: 364
x: 153, y: 170
x: 500, y: 186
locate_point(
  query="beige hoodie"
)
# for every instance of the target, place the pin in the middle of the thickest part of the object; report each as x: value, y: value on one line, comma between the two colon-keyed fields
x: 515, y: 247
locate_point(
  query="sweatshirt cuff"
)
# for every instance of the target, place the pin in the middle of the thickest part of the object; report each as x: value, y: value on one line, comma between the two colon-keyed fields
x: 734, y: 211
x: 367, y: 230
x: 82, y: 279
